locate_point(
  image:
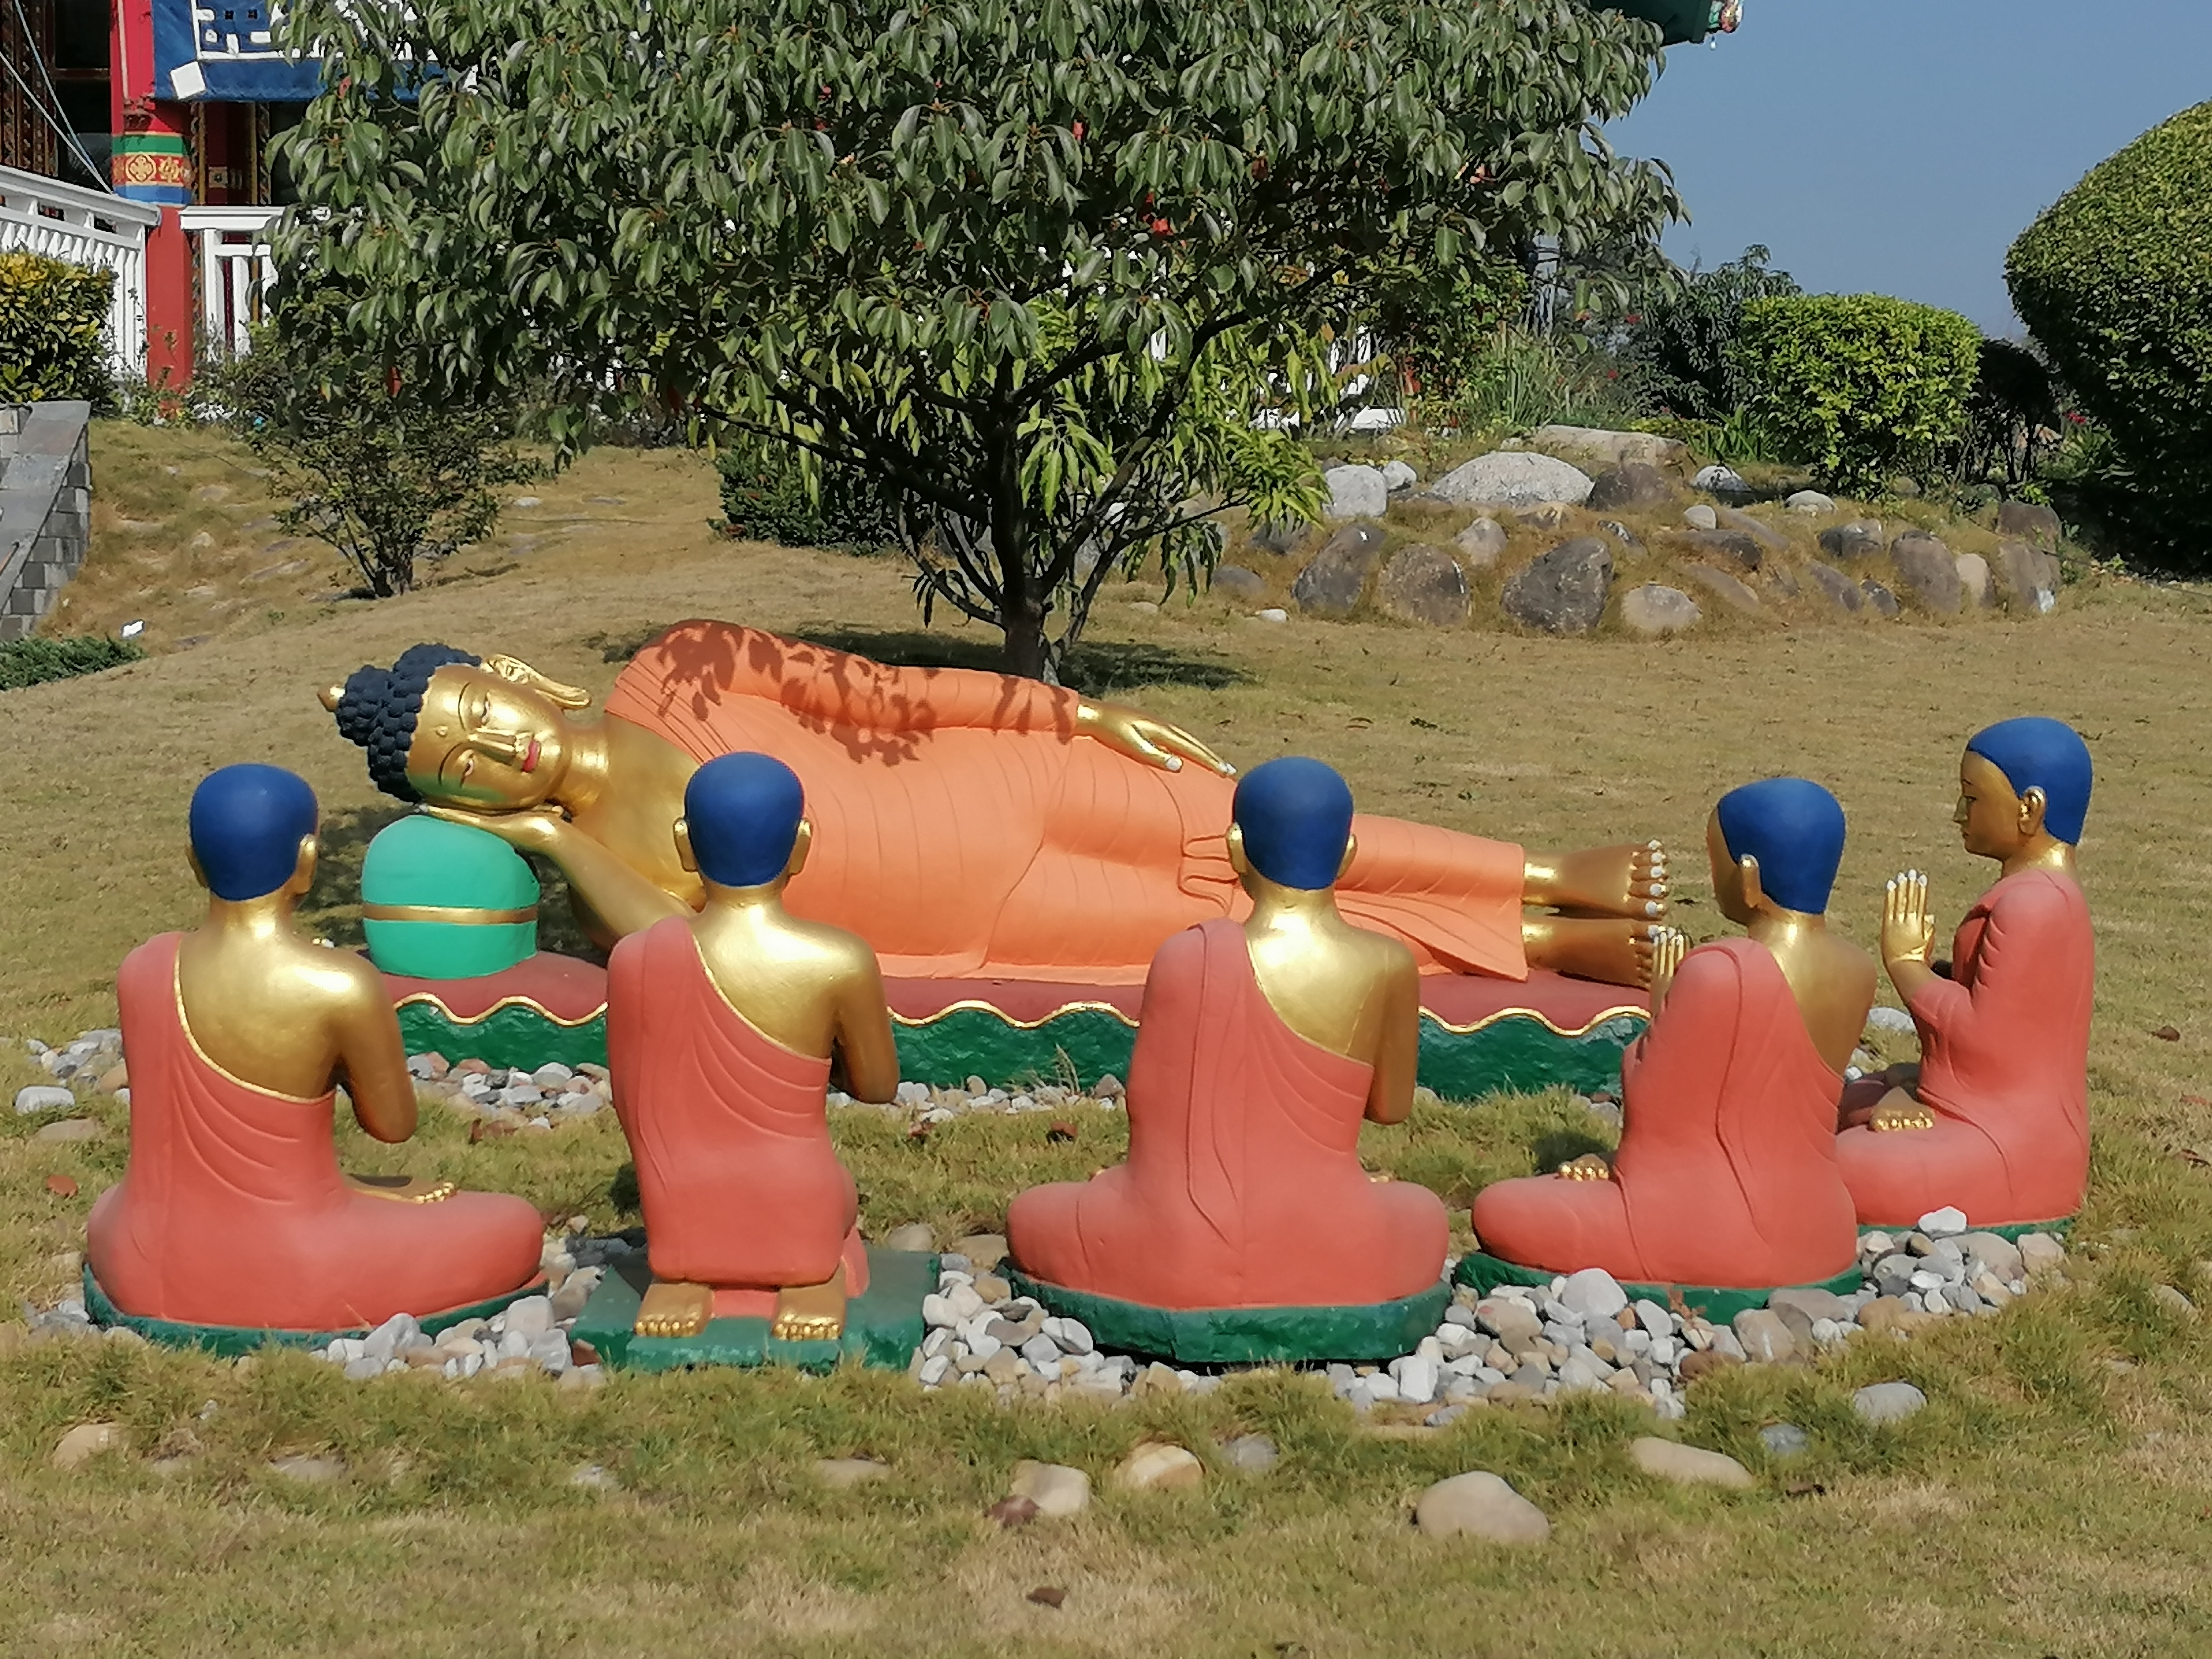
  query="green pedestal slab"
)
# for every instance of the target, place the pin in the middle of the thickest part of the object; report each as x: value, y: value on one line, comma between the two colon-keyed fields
x: 228, y: 1341
x: 514, y: 1036
x: 1717, y: 1303
x: 881, y: 1329
x: 1246, y: 1336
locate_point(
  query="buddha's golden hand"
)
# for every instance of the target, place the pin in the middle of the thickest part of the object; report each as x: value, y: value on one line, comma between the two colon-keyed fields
x: 539, y: 830
x: 1908, y: 932
x: 1890, y: 1120
x: 1668, y: 947
x: 1590, y: 1166
x: 1140, y: 737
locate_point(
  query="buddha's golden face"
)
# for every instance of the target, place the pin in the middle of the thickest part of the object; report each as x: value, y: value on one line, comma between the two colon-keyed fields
x: 482, y: 741
x: 1993, y: 822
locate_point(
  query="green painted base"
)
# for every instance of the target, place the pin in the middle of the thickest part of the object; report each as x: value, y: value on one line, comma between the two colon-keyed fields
x: 512, y: 1035
x: 1717, y: 1303
x: 881, y: 1329
x: 2011, y: 1231
x: 1520, y: 1054
x: 1246, y: 1336
x: 228, y: 1341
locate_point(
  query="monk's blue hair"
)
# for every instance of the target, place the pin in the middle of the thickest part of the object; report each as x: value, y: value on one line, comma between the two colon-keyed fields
x: 1794, y: 829
x: 2036, y: 753
x: 743, y: 812
x: 1296, y: 816
x: 246, y: 823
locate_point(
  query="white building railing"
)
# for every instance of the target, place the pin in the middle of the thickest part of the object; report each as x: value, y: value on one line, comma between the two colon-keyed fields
x: 236, y: 271
x: 86, y: 228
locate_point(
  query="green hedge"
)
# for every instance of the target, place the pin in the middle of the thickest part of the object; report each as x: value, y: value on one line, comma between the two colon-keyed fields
x: 1861, y: 385
x: 2115, y: 281
x: 765, y: 499
x: 53, y: 329
x: 33, y: 661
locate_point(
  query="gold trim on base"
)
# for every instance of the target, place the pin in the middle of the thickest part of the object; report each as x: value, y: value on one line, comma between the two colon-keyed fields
x: 464, y: 914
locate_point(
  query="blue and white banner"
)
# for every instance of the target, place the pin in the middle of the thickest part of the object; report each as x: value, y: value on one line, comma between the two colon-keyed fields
x: 222, y: 51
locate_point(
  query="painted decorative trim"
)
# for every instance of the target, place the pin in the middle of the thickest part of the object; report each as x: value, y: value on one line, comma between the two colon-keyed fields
x: 432, y: 999
x: 228, y: 1341
x: 1242, y: 1336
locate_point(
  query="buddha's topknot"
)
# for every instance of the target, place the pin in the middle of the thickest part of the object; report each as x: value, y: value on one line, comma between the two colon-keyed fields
x: 379, y: 708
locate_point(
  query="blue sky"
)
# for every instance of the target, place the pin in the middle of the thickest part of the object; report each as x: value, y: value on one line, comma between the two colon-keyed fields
x: 1898, y: 146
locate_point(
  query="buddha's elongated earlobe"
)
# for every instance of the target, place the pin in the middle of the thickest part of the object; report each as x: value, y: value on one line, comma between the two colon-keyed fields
x: 2032, y: 807
x: 521, y: 673
x: 685, y: 855
x: 1351, y: 847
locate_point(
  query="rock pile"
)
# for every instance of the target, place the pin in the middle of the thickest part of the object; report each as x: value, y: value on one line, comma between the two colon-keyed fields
x: 536, y: 1100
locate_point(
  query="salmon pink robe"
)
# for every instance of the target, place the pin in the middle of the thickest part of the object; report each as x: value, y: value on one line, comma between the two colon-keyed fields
x: 1727, y: 1172
x: 729, y: 1130
x: 966, y: 832
x: 2004, y: 1065
x: 1243, y: 1187
x: 231, y: 1210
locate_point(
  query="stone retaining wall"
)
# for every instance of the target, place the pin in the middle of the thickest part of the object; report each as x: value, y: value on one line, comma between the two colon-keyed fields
x: 46, y: 508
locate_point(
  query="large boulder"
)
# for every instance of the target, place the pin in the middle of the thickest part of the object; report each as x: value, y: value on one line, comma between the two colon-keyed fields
x: 1563, y: 591
x: 1879, y: 598
x: 1974, y: 577
x: 1331, y: 586
x: 1356, y: 492
x: 1397, y: 476
x: 1237, y: 582
x: 2027, y: 577
x: 1721, y: 481
x: 1862, y: 538
x: 1738, y: 548
x: 1596, y: 447
x: 1652, y: 611
x: 1722, y: 586
x: 1929, y: 571
x: 1759, y: 530
x: 1422, y: 584
x: 1842, y: 592
x: 1630, y: 485
x: 2030, y: 522
x: 1512, y: 478
x: 1283, y: 541
x: 1481, y: 542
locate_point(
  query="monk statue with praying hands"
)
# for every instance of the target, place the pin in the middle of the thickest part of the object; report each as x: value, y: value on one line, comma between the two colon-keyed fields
x: 722, y: 1027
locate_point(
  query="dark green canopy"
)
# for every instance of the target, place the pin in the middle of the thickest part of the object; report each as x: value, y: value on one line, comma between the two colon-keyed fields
x: 1685, y: 21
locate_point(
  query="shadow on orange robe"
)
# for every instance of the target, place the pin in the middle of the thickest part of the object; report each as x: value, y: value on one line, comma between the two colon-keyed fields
x: 740, y: 1187
x: 965, y: 829
x: 2004, y: 1065
x: 233, y: 1211
x: 1243, y: 1187
x: 1727, y: 1172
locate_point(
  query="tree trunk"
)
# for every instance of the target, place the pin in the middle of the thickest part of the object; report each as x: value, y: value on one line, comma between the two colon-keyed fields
x: 1024, y: 600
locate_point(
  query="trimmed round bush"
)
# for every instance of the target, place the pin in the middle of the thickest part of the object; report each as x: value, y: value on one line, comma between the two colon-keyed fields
x: 53, y: 330
x: 2115, y: 281
x: 1861, y: 385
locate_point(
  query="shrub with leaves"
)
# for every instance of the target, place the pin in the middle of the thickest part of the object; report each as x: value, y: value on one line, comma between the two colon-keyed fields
x: 1439, y: 322
x: 1683, y: 344
x: 2115, y: 282
x: 35, y: 660
x: 1031, y: 266
x: 1862, y: 385
x: 770, y: 493
x: 53, y: 330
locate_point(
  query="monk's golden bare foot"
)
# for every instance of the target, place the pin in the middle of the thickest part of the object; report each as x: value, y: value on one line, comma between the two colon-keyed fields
x: 1590, y: 1166
x: 1600, y: 881
x: 812, y: 1312
x: 402, y: 1189
x: 1900, y: 1112
x: 1613, y: 951
x: 673, y: 1310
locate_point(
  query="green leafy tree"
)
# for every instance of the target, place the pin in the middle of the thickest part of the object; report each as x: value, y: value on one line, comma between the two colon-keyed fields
x: 1683, y: 344
x: 1033, y: 265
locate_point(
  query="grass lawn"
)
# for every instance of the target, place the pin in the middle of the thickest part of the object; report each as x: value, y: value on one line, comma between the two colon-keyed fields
x: 2054, y: 1498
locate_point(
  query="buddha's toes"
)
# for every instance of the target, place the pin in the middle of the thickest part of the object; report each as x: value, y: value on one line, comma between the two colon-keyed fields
x: 812, y: 1312
x: 1611, y: 881
x: 673, y: 1310
x: 1611, y: 949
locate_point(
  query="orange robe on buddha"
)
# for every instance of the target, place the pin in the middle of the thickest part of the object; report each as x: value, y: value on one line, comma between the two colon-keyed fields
x: 1243, y: 1187
x: 966, y: 831
x: 740, y: 1187
x: 231, y: 1210
x: 2004, y: 1066
x: 1727, y: 1173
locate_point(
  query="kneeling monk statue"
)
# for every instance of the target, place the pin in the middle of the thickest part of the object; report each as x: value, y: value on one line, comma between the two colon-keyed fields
x: 720, y: 1031
x: 1726, y: 1174
x: 1260, y: 1050
x: 232, y: 1211
x: 1995, y: 1120
x: 973, y: 825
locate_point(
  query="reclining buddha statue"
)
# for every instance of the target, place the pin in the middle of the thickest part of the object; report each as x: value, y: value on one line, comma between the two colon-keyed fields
x: 721, y: 1031
x: 973, y: 825
x: 1994, y: 1121
x: 1726, y: 1174
x: 232, y: 1212
x: 1242, y: 1226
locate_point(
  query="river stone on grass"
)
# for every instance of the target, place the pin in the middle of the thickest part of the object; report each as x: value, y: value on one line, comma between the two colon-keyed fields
x: 1879, y: 598
x: 841, y: 1473
x: 1720, y: 481
x: 1809, y: 501
x: 1593, y: 1293
x: 1930, y: 570
x: 1157, y: 1468
x: 1839, y: 590
x: 1056, y: 1490
x: 1512, y: 478
x: 1255, y: 1453
x: 1422, y: 584
x: 1722, y: 586
x: 1974, y: 577
x: 2030, y: 520
x: 1687, y: 1465
x: 70, y: 1128
x: 1599, y: 448
x: 1739, y: 550
x: 1701, y: 517
x: 1563, y: 591
x: 34, y: 1098
x: 1631, y: 484
x: 2027, y: 577
x: 1238, y: 582
x: 1331, y: 586
x: 1356, y: 492
x: 1478, y: 1504
x: 1653, y: 610
x: 1758, y: 529
x: 1862, y: 538
x: 1397, y: 476
x: 1282, y: 540
x: 1785, y: 1440
x: 87, y: 1441
x: 1481, y: 542
x: 1767, y: 1341
x: 915, y: 1236
x: 1887, y: 1402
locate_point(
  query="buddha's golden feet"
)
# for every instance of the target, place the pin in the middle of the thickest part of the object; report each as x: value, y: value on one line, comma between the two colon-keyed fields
x: 1601, y: 881
x: 673, y: 1310
x: 1891, y: 1119
x: 402, y: 1189
x: 812, y: 1312
x: 1590, y: 1166
x: 1608, y: 950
